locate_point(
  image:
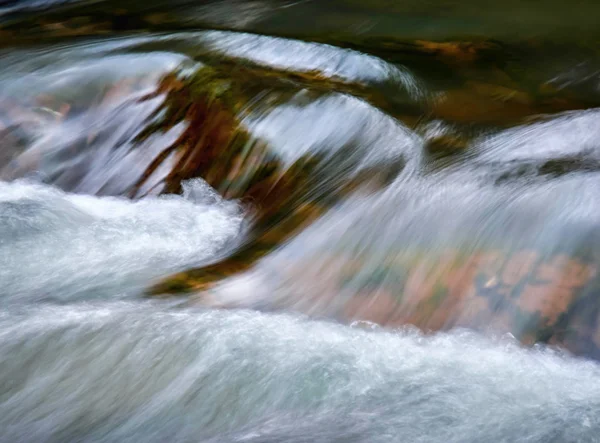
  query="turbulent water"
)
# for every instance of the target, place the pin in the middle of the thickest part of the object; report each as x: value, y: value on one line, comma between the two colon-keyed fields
x: 77, y: 247
x: 131, y: 372
x: 404, y: 247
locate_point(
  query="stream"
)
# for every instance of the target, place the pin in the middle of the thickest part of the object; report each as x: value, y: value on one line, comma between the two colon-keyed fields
x: 299, y: 221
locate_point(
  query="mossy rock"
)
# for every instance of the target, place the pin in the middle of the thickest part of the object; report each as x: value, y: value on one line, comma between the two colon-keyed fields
x: 281, y: 198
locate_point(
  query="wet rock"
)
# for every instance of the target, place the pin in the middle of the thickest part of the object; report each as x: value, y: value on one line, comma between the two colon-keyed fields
x: 283, y: 193
x: 535, y: 297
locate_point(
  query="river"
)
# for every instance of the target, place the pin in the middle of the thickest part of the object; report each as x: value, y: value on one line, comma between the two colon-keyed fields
x: 298, y: 221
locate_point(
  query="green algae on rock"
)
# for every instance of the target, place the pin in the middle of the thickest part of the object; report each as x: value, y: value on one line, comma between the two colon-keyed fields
x: 281, y: 196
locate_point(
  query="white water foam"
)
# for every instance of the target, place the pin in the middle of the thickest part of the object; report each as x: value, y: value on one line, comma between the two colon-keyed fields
x: 135, y: 372
x: 56, y: 244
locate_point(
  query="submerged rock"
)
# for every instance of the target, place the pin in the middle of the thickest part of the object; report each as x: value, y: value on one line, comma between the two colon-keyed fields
x: 534, y: 296
x: 283, y: 189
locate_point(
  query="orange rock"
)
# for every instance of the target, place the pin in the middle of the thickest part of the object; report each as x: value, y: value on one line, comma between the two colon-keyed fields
x: 460, y: 51
x: 566, y: 272
x: 461, y: 280
x: 474, y: 312
x: 377, y: 307
x: 419, y: 286
x: 489, y: 265
x: 549, y: 300
x: 518, y: 266
x: 459, y: 303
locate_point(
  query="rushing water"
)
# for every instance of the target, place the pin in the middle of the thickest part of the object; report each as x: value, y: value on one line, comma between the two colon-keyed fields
x: 131, y: 372
x: 282, y: 221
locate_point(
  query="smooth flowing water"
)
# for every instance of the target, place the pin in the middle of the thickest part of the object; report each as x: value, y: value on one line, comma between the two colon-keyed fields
x: 291, y: 221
